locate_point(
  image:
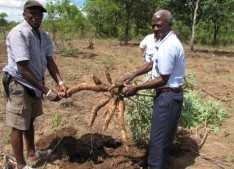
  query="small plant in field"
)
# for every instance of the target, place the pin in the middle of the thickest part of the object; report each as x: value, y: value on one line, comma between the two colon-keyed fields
x: 108, y: 62
x: 6, y: 136
x: 56, y: 120
x: 196, y: 112
x: 189, y: 82
x: 69, y: 52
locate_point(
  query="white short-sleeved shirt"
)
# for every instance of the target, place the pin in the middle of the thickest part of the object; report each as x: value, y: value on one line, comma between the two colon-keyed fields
x: 24, y: 45
x: 169, y: 60
x: 148, y: 44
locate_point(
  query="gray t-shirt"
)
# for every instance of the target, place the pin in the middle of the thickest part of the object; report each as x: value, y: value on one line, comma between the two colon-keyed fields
x: 24, y: 45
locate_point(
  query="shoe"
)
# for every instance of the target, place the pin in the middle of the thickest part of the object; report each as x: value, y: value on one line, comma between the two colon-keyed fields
x: 138, y: 166
x: 38, y: 157
x: 43, y: 154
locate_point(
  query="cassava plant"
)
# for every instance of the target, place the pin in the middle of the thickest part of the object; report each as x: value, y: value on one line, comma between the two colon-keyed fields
x: 138, y: 115
x: 197, y: 111
x: 113, y: 103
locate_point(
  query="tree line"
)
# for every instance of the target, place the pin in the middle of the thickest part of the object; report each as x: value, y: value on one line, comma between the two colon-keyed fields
x: 211, y: 22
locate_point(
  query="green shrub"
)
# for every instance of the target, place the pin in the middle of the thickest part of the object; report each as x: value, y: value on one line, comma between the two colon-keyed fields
x: 198, y: 112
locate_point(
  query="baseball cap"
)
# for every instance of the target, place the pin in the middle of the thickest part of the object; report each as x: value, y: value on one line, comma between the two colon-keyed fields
x: 33, y: 3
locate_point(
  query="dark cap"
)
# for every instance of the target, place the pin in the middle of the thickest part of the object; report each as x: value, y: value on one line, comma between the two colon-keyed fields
x: 33, y: 3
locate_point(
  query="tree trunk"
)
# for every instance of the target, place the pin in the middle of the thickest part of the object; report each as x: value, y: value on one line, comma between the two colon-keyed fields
x: 193, y: 27
x: 216, y: 31
x: 126, y: 34
x: 128, y: 9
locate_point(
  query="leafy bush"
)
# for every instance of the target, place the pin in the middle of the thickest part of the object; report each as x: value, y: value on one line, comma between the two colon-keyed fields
x: 197, y: 111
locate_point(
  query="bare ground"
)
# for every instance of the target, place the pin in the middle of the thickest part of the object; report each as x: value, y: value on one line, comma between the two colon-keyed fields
x: 82, y: 147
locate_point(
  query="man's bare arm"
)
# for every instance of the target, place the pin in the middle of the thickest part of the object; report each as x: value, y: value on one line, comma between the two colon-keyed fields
x: 53, y: 70
x: 131, y: 90
x: 139, y: 71
x: 143, y: 51
x: 153, y: 84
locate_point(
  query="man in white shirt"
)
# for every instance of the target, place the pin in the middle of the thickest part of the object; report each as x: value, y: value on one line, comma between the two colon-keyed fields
x: 147, y: 46
x: 148, y: 50
x: 168, y: 71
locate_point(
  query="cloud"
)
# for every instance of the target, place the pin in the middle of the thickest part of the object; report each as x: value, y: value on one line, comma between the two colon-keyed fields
x: 14, y: 8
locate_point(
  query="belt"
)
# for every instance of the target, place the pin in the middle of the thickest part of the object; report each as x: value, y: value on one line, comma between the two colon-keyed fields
x: 7, y: 79
x: 169, y: 89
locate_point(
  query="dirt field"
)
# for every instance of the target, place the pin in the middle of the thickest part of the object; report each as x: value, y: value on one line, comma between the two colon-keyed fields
x: 83, y: 147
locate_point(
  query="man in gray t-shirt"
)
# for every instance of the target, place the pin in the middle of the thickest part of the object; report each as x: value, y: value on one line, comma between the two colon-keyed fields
x: 29, y: 55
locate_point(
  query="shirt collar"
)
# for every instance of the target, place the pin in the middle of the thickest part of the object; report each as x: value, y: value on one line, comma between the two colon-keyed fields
x: 26, y: 24
x: 155, y: 38
x: 168, y: 34
x: 159, y: 42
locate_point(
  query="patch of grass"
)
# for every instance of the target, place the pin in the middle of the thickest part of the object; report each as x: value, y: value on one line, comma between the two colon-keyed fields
x: 56, y: 120
x: 108, y: 62
x: 69, y: 52
x: 6, y: 136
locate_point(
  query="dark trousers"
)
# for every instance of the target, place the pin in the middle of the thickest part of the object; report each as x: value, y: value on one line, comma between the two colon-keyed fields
x: 165, y: 117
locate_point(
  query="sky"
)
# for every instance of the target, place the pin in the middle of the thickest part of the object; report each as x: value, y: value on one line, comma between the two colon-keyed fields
x: 13, y: 8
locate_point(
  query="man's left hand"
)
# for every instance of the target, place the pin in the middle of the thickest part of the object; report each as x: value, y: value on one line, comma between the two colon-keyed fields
x: 62, y: 90
x: 52, y: 95
x: 129, y: 90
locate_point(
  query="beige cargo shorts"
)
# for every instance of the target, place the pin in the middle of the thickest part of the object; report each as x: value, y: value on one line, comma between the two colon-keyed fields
x: 21, y: 108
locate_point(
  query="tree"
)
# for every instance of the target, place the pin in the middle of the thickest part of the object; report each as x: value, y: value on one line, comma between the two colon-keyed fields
x: 125, y: 19
x: 193, y: 27
x: 142, y: 15
x: 3, y: 24
x: 127, y: 7
x: 105, y: 16
x: 3, y: 18
x: 219, y: 14
x: 119, y: 18
x: 66, y: 20
x: 135, y: 14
